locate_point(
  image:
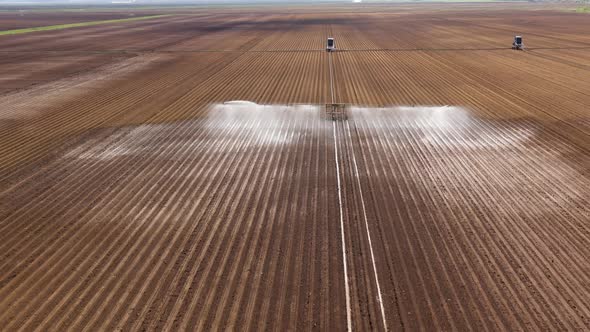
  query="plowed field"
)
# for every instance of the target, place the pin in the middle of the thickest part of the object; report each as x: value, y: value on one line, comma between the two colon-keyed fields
x: 180, y: 173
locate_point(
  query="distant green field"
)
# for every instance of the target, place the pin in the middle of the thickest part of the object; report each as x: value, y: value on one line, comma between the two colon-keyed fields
x: 583, y: 9
x: 76, y: 25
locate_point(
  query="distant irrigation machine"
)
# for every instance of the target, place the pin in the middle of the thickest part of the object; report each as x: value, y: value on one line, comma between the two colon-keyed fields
x: 331, y: 45
x: 517, y: 44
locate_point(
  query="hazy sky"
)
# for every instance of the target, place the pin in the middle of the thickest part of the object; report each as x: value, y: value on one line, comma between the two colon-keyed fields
x: 161, y: 1
x: 77, y: 2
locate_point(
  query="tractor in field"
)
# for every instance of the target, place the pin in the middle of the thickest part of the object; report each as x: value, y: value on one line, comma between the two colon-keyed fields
x: 331, y: 46
x: 517, y: 44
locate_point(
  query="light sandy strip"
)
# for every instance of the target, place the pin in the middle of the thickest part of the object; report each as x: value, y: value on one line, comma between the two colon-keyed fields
x: 348, y: 316
x: 358, y: 179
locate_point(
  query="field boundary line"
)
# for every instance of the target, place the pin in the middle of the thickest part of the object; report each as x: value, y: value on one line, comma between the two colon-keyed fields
x: 359, y: 50
x: 346, y: 284
x: 358, y: 180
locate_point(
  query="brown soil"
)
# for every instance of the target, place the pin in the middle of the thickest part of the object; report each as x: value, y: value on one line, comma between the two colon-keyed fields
x: 131, y: 198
